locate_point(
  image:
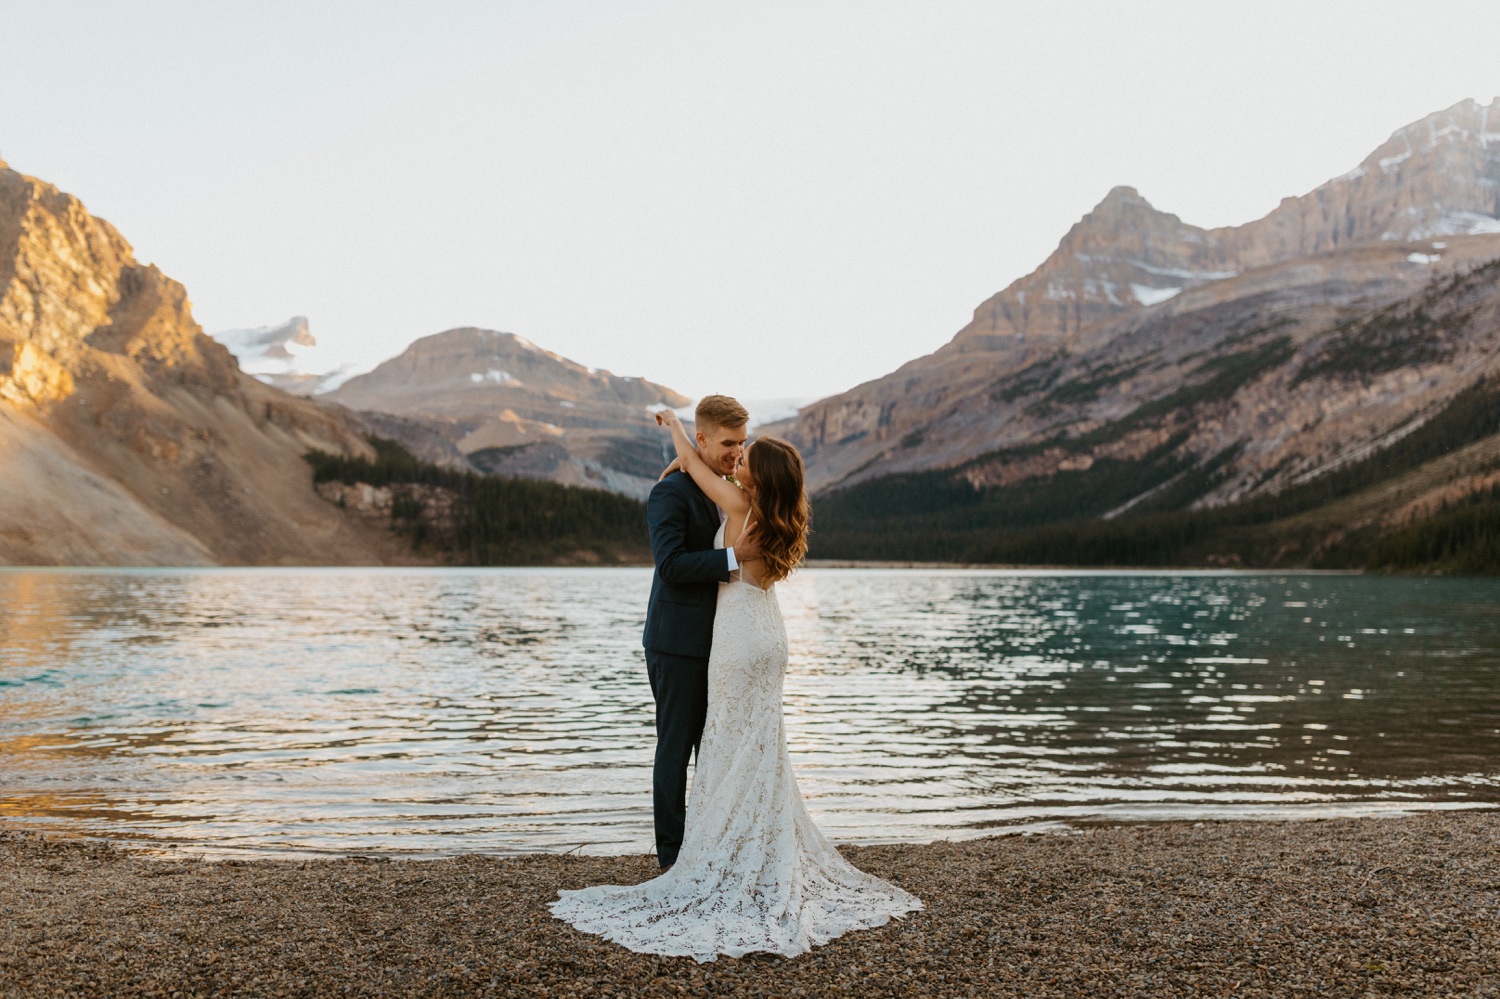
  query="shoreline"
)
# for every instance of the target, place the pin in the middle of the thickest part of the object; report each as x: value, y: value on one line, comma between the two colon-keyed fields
x: 1053, y: 570
x: 166, y: 848
x: 1244, y: 907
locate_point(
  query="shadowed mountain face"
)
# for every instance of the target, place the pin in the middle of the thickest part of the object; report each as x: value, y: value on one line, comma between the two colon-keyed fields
x: 1136, y: 308
x: 129, y: 437
x: 505, y: 405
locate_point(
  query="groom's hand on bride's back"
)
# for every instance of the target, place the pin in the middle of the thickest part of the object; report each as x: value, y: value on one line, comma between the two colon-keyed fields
x: 747, y: 548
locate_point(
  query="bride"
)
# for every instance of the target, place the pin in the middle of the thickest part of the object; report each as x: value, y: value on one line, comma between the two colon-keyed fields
x: 754, y: 872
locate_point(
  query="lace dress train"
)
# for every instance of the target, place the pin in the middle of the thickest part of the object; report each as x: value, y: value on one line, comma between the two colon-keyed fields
x: 754, y: 872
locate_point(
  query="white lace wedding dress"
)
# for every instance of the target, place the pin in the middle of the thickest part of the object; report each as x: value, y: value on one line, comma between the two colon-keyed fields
x: 754, y: 872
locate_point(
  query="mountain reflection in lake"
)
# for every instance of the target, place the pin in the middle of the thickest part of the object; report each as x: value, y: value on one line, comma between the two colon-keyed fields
x: 445, y: 711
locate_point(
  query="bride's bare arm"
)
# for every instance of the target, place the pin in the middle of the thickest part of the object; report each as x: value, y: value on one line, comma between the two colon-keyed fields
x: 729, y: 497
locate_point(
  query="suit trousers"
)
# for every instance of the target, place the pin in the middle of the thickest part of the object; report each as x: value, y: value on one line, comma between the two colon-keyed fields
x: 680, y: 686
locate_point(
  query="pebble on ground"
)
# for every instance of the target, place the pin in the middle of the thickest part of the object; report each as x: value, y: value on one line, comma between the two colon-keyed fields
x: 1315, y: 908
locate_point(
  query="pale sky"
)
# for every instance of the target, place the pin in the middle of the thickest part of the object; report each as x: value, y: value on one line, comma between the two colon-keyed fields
x: 762, y: 198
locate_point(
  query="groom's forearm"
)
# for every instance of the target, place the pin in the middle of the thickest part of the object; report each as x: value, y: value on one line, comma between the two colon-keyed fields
x: 694, y: 567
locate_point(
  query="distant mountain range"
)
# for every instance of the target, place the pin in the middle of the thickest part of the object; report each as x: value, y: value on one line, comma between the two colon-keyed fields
x: 491, y: 401
x: 1430, y: 180
x: 505, y: 406
x: 1148, y: 360
x: 128, y: 437
x: 1308, y: 388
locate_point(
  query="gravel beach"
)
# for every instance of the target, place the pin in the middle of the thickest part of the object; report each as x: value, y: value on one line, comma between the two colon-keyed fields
x: 1355, y: 907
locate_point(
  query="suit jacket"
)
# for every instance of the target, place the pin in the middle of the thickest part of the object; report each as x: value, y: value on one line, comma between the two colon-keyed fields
x: 684, y: 588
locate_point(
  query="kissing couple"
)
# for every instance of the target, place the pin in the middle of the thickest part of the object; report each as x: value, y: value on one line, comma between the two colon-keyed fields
x: 743, y: 866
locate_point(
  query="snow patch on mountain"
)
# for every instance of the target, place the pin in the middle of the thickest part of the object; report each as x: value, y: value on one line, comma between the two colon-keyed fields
x: 1186, y: 275
x: 1392, y: 161
x: 1447, y: 224
x: 764, y: 411
x: 1152, y: 296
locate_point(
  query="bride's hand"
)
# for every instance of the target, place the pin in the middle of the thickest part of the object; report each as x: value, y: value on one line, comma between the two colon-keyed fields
x: 676, y: 466
x: 667, y: 418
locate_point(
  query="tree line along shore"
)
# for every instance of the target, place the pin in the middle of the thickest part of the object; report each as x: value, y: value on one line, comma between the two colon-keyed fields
x: 927, y: 518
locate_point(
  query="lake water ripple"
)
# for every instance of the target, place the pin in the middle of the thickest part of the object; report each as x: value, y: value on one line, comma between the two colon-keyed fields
x: 506, y: 710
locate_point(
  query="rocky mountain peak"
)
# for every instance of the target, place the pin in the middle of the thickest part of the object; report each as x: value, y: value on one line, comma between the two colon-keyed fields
x: 1123, y: 197
x: 1128, y: 226
x: 1122, y: 255
x: 466, y: 369
x: 1119, y: 271
x: 131, y: 437
x: 510, y: 407
x: 72, y: 295
x: 1466, y: 125
x: 1436, y: 177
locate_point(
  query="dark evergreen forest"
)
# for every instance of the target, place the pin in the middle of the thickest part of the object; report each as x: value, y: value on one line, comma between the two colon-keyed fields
x: 496, y: 521
x: 1061, y: 520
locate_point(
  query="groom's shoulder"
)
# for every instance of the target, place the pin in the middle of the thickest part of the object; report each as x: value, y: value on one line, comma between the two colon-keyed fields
x: 676, y: 484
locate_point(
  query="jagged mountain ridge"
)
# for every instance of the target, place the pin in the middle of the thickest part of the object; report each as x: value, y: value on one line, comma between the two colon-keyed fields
x: 1275, y: 438
x: 1122, y: 255
x: 506, y: 406
x: 130, y: 437
x: 1436, y: 177
x: 1128, y: 274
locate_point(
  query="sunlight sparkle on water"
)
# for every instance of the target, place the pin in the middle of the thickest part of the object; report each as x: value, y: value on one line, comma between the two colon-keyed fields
x: 444, y: 711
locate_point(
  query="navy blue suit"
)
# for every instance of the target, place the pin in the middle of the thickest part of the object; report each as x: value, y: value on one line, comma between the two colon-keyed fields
x: 679, y: 633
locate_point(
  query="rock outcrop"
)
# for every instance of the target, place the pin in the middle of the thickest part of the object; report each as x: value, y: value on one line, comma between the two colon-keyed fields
x: 130, y: 438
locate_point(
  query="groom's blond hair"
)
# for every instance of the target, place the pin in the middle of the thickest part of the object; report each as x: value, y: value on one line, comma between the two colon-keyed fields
x: 720, y: 411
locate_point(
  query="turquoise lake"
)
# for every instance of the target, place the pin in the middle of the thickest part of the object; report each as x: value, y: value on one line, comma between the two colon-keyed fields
x: 442, y: 711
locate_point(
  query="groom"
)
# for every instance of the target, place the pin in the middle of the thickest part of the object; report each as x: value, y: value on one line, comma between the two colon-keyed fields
x: 680, y: 615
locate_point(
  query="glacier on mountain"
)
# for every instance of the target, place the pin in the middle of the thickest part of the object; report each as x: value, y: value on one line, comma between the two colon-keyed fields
x: 285, y: 356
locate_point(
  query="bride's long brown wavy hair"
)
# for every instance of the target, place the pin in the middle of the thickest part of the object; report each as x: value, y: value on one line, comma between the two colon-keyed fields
x: 778, y: 506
